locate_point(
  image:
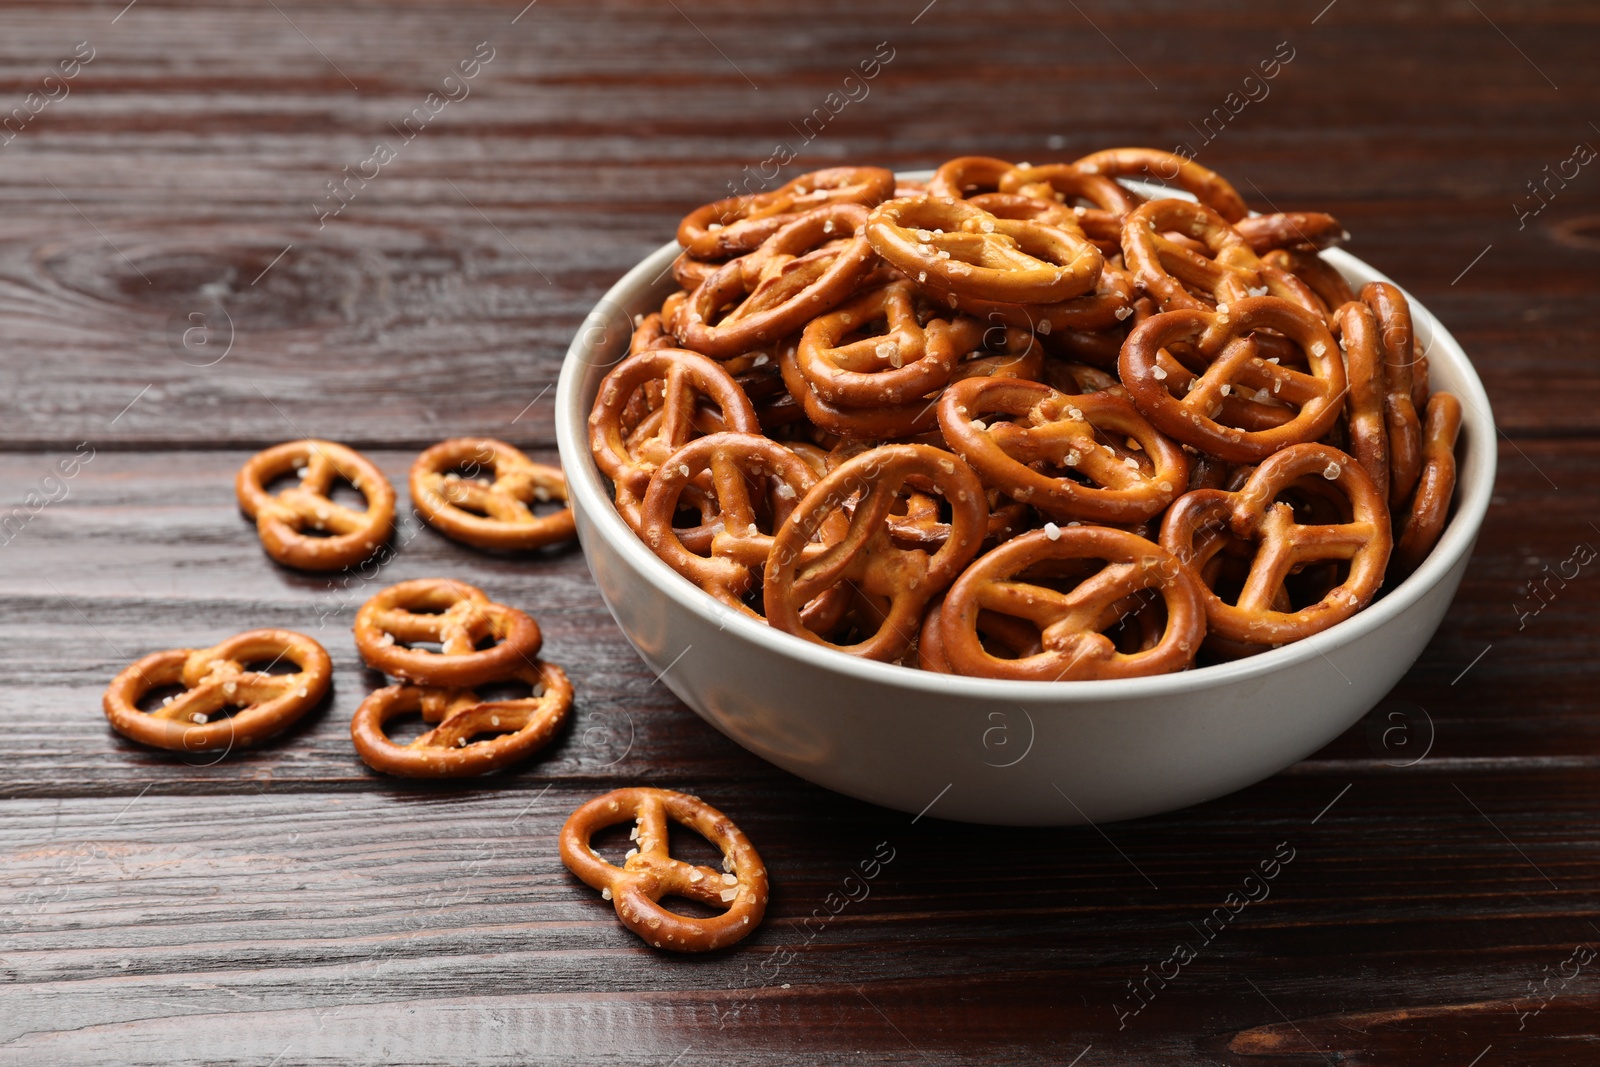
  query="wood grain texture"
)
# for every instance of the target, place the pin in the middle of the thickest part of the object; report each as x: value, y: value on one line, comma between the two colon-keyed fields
x: 170, y: 300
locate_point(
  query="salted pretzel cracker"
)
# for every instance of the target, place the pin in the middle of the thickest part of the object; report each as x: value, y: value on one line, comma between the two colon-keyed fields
x: 214, y: 679
x: 956, y: 249
x: 629, y: 455
x: 867, y: 557
x: 511, y: 730
x: 870, y: 422
x: 1396, y: 341
x: 1196, y: 524
x: 1430, y: 503
x: 1208, y: 187
x: 731, y: 227
x: 1223, y: 266
x: 650, y: 872
x: 457, y: 617
x: 735, y: 558
x: 1017, y: 434
x: 1320, y: 276
x: 904, y: 362
x: 1299, y: 231
x: 1107, y: 306
x: 1365, y: 423
x: 796, y: 273
x: 497, y: 515
x: 1071, y: 624
x: 1109, y: 200
x: 1223, y: 339
x: 282, y: 519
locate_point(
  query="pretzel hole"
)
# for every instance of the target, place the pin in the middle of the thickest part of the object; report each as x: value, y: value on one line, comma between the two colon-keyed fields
x: 864, y: 618
x: 1005, y: 637
x: 227, y: 711
x: 1142, y: 627
x: 404, y: 729
x: 277, y: 665
x: 347, y: 495
x: 511, y: 689
x: 690, y: 909
x: 287, y: 480
x: 155, y: 698
x: 613, y: 842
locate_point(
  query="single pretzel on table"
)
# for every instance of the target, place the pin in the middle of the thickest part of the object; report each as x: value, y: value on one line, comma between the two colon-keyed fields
x: 1026, y: 439
x: 1197, y: 526
x: 456, y: 616
x: 511, y: 729
x: 497, y: 515
x: 650, y: 872
x: 898, y: 580
x: 1293, y: 406
x: 1071, y: 624
x: 282, y: 519
x: 215, y: 679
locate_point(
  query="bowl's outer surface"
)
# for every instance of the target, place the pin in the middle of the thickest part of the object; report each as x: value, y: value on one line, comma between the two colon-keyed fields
x: 990, y: 751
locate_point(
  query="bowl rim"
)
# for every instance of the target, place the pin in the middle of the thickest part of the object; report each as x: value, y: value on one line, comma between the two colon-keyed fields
x: 594, y: 503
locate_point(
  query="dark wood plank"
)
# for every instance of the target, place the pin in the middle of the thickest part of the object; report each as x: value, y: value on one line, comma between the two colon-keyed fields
x: 442, y: 299
x: 162, y: 910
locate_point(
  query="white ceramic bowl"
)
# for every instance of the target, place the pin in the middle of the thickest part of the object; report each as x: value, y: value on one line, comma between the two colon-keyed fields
x: 995, y: 751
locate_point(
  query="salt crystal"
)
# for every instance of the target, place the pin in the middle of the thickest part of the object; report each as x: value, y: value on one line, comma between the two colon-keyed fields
x: 1332, y: 471
x: 1052, y: 531
x: 1160, y: 374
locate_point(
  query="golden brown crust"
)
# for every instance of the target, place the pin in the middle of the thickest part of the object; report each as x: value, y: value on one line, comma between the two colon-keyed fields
x: 650, y: 872
x: 495, y: 512
x: 283, y: 518
x: 513, y: 730
x: 214, y: 679
x: 456, y: 616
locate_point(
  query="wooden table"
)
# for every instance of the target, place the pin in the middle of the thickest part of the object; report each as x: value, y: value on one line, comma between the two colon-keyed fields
x: 170, y: 302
